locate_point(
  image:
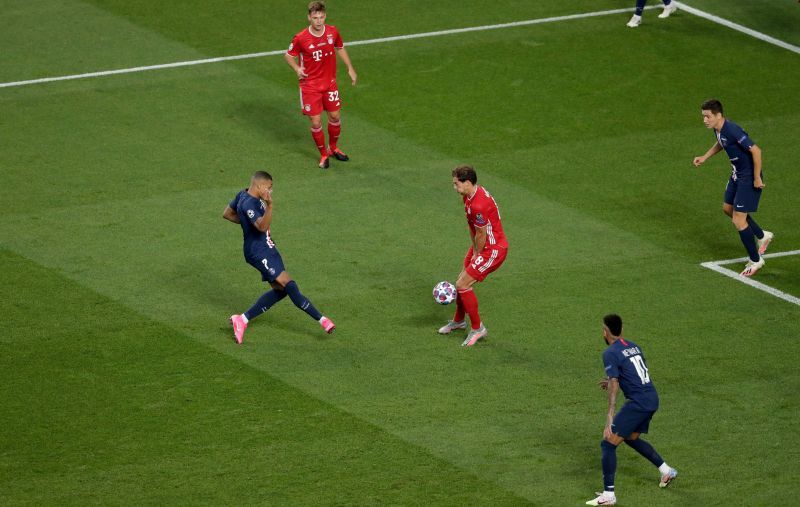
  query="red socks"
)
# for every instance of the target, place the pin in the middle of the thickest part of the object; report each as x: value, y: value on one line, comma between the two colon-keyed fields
x: 319, y: 139
x: 334, y: 129
x: 468, y: 303
x: 459, y: 316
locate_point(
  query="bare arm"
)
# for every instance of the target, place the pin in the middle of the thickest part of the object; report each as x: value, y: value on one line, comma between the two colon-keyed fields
x: 265, y: 220
x: 757, y: 181
x: 292, y: 61
x: 479, y: 241
x: 342, y: 52
x: 230, y: 215
x: 613, y: 389
x: 698, y: 161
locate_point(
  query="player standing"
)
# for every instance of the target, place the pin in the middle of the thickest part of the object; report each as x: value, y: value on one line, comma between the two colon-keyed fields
x: 745, y: 184
x: 317, y: 47
x: 486, y: 253
x: 252, y: 209
x: 636, y: 20
x: 626, y: 369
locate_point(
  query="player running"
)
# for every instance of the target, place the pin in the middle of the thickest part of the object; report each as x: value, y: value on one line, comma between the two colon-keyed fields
x: 316, y: 47
x: 486, y: 253
x: 252, y: 209
x: 626, y: 369
x: 745, y: 184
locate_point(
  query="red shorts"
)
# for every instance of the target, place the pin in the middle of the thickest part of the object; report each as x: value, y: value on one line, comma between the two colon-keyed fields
x: 489, y: 260
x: 316, y: 97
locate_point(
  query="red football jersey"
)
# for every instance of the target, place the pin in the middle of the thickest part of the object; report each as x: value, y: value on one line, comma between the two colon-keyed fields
x: 482, y: 211
x: 317, y: 54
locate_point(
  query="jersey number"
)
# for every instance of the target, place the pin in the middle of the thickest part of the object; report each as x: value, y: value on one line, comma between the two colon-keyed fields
x: 316, y: 55
x: 333, y: 96
x: 641, y: 369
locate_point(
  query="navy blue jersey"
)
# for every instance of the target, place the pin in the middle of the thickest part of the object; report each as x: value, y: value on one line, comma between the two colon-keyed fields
x: 624, y: 360
x: 736, y: 143
x: 250, y: 209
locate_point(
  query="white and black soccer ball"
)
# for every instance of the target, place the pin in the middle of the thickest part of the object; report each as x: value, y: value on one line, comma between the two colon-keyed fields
x: 444, y: 293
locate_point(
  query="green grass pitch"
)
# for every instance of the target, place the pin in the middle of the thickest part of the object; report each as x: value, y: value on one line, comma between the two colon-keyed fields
x: 121, y: 383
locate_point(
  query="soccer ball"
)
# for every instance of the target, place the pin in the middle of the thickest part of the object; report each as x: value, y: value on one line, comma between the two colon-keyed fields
x: 444, y: 293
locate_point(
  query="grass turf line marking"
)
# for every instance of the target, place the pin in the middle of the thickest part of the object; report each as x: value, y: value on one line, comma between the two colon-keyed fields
x: 717, y: 266
x: 681, y: 5
x: 282, y: 51
x: 739, y: 28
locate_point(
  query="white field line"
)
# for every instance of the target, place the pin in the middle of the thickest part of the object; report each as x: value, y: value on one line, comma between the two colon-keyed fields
x: 717, y: 266
x: 353, y: 43
x: 681, y: 5
x: 739, y: 28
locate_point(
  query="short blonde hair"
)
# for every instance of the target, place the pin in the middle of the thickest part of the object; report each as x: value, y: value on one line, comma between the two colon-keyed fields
x: 316, y: 7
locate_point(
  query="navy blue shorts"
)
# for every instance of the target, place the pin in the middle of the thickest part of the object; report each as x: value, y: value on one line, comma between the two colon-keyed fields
x: 742, y: 195
x: 269, y: 264
x: 631, y: 419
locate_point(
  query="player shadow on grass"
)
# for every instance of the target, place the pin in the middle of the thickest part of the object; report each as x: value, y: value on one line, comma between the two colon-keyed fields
x: 283, y: 125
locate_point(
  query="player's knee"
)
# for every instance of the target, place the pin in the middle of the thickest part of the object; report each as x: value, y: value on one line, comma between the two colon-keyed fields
x: 462, y: 284
x: 606, y: 444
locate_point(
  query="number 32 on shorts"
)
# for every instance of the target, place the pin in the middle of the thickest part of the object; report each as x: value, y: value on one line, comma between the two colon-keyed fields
x: 333, y: 96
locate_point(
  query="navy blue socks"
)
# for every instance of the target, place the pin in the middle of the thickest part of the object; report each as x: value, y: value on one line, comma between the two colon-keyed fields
x: 759, y: 233
x: 749, y: 242
x: 300, y: 301
x: 609, y: 464
x: 264, y: 303
x: 271, y: 297
x: 646, y: 450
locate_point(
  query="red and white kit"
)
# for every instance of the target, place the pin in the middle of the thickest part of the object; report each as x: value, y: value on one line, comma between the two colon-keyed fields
x: 481, y: 210
x: 318, y: 91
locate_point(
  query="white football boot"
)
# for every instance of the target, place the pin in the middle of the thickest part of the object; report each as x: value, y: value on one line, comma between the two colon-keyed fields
x: 603, y: 499
x: 764, y: 242
x: 751, y: 268
x: 452, y: 326
x: 667, y: 478
x: 635, y: 21
x: 668, y: 9
x: 475, y: 335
